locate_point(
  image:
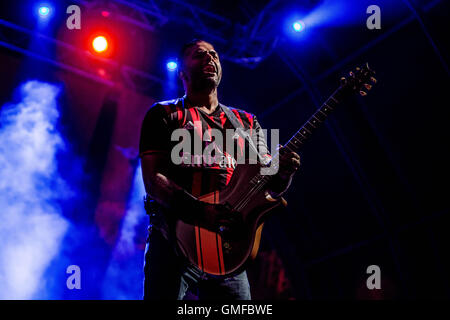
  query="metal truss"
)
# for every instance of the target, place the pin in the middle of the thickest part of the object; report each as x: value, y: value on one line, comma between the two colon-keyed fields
x: 247, y: 45
x: 144, y: 15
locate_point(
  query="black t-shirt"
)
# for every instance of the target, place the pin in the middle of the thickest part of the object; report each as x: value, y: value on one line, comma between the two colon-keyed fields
x: 199, y: 172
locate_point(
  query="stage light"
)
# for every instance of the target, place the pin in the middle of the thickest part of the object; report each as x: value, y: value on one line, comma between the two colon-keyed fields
x: 298, y: 26
x: 44, y: 11
x: 171, y: 66
x: 100, y: 44
x: 101, y: 72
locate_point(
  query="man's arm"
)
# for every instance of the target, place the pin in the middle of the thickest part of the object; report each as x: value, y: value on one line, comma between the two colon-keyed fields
x: 180, y: 204
x: 154, y: 148
x: 167, y: 193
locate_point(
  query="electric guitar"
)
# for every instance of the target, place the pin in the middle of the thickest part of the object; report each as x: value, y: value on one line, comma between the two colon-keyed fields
x: 225, y: 253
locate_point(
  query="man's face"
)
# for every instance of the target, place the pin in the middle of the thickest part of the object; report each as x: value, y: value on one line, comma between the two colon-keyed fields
x: 202, y: 67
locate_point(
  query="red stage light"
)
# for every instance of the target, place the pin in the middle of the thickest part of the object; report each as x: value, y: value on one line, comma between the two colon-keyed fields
x: 101, y: 72
x: 105, y: 14
x: 100, y: 44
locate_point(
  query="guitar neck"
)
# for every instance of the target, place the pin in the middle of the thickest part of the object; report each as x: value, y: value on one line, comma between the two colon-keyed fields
x: 315, y: 121
x: 358, y: 81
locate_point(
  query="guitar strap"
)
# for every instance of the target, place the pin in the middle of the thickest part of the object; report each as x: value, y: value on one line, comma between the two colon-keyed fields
x: 241, y: 132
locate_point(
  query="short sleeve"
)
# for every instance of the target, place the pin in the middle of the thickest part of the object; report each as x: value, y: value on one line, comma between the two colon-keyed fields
x: 155, y: 131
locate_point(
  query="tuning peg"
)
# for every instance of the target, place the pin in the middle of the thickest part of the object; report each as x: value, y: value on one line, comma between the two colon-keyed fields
x: 362, y: 93
x: 373, y: 79
x: 368, y: 86
x: 368, y: 68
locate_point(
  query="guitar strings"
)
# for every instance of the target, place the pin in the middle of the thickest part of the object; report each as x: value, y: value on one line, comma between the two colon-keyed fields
x: 243, y: 201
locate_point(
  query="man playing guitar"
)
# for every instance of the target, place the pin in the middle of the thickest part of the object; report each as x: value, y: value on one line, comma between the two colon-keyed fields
x: 175, y: 189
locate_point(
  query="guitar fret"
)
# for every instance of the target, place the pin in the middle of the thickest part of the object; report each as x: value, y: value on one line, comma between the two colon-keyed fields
x: 301, y: 137
x: 325, y: 109
x: 297, y: 143
x: 320, y: 115
x: 296, y: 140
x: 309, y: 126
x: 334, y: 99
x: 315, y: 121
x: 302, y: 133
x: 289, y: 148
x: 332, y: 103
x: 305, y: 131
x: 329, y: 106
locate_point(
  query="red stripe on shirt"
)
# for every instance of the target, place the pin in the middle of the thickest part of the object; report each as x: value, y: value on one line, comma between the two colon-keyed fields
x: 250, y: 120
x: 223, y: 118
x: 180, y: 117
x: 240, y: 140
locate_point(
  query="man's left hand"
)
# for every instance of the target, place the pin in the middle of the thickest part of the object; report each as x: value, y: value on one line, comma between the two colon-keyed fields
x: 289, y: 163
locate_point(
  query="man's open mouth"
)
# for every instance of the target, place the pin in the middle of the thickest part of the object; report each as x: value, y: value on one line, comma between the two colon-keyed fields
x: 209, y: 68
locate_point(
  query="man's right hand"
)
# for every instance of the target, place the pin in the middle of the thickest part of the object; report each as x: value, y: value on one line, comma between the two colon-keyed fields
x: 182, y: 204
x: 221, y: 219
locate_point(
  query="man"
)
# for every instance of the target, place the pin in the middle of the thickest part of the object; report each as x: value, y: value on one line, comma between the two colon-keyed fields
x: 175, y: 187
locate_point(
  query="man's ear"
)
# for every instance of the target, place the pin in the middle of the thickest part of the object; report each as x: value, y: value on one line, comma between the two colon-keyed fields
x: 181, y: 75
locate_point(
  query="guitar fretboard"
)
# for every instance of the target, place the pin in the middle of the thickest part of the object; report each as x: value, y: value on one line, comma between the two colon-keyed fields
x: 314, y: 122
x: 352, y: 84
x: 300, y: 137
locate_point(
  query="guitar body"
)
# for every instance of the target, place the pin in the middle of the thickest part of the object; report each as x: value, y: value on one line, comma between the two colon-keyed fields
x: 218, y: 254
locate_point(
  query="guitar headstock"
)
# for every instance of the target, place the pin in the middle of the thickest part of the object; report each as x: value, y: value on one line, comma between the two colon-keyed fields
x: 361, y: 80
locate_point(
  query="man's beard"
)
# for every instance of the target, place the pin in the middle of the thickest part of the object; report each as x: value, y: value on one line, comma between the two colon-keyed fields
x: 202, y: 83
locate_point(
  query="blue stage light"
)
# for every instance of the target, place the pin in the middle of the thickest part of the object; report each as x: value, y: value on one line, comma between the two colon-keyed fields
x: 171, y: 66
x: 44, y: 11
x: 298, y: 26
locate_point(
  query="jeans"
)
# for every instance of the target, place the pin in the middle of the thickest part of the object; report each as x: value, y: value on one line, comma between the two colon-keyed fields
x: 169, y: 277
